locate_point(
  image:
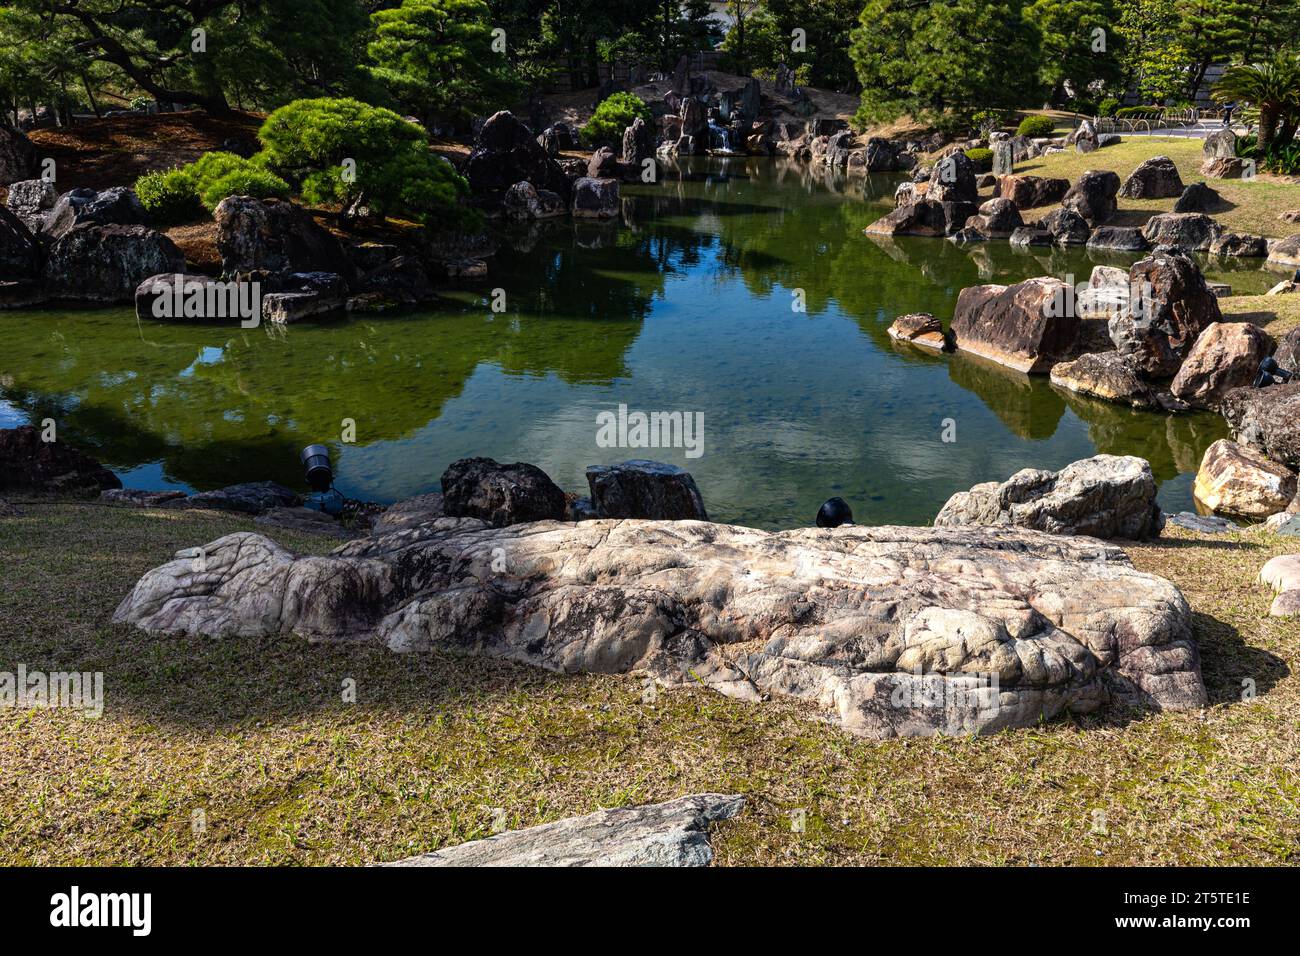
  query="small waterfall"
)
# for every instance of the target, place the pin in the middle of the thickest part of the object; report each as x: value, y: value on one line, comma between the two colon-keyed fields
x: 720, y: 136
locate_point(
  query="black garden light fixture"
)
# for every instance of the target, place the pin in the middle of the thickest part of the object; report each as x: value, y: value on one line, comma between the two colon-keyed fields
x: 320, y: 478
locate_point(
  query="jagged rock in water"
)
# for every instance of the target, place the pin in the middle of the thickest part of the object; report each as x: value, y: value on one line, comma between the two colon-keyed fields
x: 1105, y: 375
x: 645, y: 489
x: 1119, y: 238
x: 919, y: 328
x: 890, y: 631
x: 1106, y: 496
x: 1169, y: 308
x: 675, y: 833
x: 595, y: 198
x: 500, y: 494
x: 1240, y: 245
x: 925, y: 217
x: 108, y: 263
x: 271, y: 236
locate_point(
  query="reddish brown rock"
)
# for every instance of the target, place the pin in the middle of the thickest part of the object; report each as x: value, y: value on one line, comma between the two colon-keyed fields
x: 1027, y: 326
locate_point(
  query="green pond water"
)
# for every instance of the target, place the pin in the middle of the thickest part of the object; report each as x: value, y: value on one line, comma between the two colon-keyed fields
x: 685, y: 304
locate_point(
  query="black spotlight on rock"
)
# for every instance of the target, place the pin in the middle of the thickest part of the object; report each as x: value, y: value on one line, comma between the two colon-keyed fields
x: 320, y: 478
x: 833, y: 513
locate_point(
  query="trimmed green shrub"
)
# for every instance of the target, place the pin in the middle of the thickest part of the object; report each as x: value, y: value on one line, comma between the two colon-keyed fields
x: 614, y: 114
x: 1036, y: 126
x: 247, y: 180
x: 169, y: 196
x: 981, y: 157
x: 181, y: 194
x: 343, y: 150
x: 1108, y: 107
x: 1139, y: 112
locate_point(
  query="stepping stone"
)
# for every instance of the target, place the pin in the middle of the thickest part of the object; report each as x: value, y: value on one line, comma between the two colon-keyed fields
x: 675, y: 833
x: 1206, y: 524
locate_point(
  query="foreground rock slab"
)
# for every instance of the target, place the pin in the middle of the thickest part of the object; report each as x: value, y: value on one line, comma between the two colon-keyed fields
x: 1107, y: 496
x: 890, y: 631
x: 675, y: 833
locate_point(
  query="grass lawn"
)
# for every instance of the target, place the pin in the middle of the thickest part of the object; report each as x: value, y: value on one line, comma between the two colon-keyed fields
x: 1252, y: 206
x: 254, y: 733
x: 1276, y: 314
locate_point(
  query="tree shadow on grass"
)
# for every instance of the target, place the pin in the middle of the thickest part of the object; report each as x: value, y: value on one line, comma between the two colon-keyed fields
x: 1233, y: 670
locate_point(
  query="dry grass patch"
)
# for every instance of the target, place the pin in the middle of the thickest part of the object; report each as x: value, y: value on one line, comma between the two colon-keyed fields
x: 256, y: 735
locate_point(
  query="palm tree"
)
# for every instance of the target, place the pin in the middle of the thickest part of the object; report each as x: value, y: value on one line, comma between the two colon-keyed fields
x: 1272, y: 88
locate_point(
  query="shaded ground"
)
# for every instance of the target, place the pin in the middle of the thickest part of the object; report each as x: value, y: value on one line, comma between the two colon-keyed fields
x: 117, y: 150
x: 256, y: 735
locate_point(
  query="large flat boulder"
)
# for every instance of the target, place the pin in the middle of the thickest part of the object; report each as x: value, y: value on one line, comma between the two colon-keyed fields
x: 29, y: 464
x: 1226, y: 355
x: 675, y: 833
x: 1237, y: 480
x: 1028, y: 326
x: 1268, y: 418
x: 1286, y: 253
x: 1118, y: 239
x: 1106, y: 496
x: 890, y: 631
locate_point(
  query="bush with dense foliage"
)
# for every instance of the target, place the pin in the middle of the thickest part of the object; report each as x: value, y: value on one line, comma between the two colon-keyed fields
x: 345, y: 152
x: 1108, y: 107
x: 614, y: 114
x: 981, y: 157
x: 176, y: 195
x: 1036, y: 126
